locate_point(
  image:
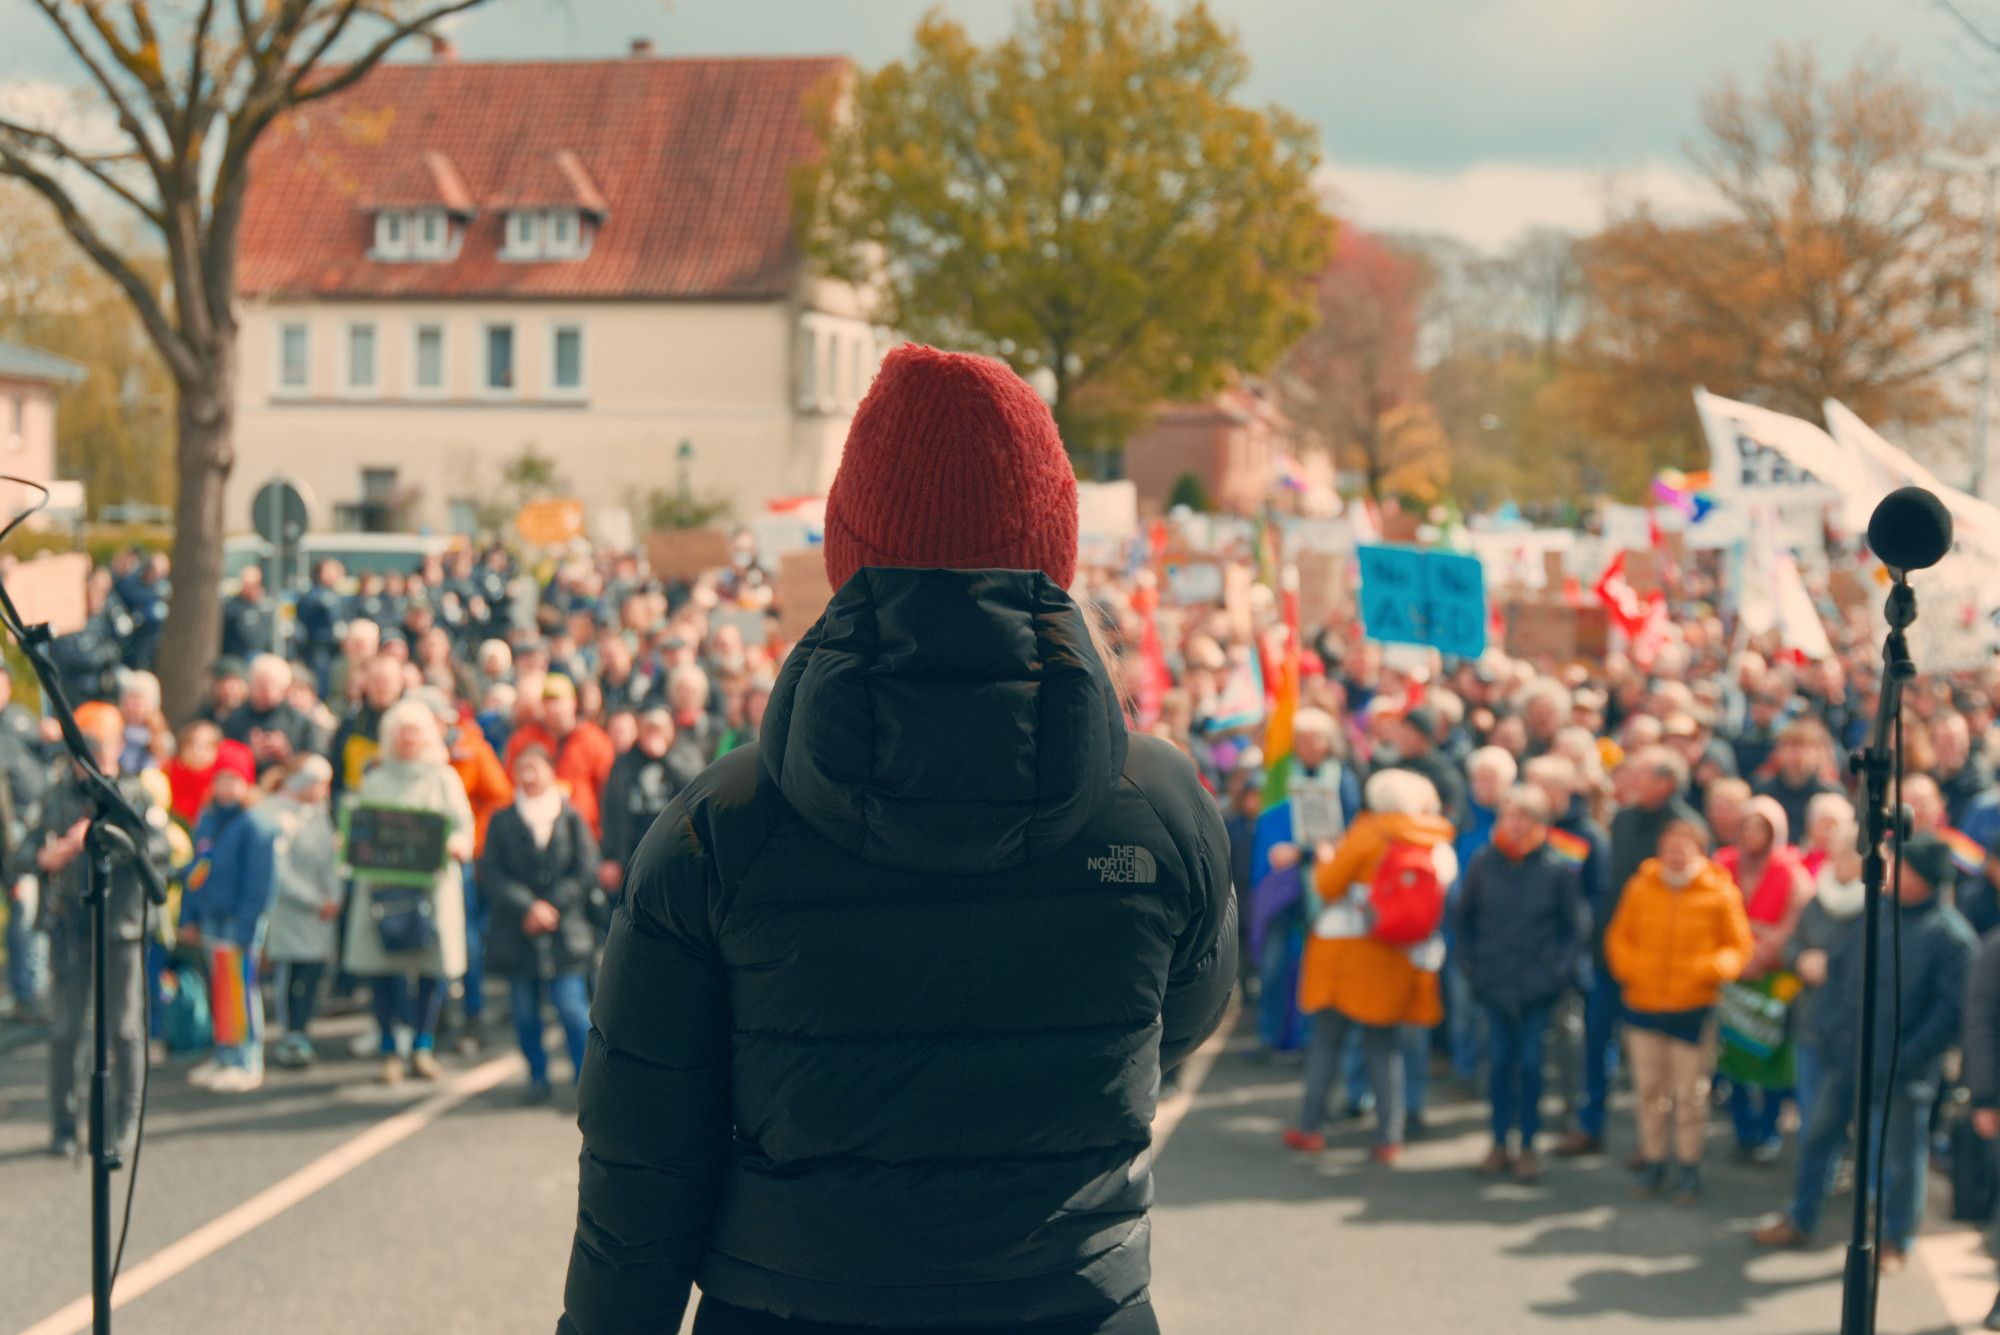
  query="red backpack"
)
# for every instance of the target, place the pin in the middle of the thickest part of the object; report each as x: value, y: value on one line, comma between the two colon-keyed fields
x: 1406, y: 897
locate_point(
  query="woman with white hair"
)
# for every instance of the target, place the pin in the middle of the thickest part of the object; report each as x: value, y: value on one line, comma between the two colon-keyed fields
x: 1357, y: 975
x: 392, y: 935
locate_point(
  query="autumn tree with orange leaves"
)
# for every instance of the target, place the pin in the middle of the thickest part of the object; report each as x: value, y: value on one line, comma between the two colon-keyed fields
x: 1839, y: 265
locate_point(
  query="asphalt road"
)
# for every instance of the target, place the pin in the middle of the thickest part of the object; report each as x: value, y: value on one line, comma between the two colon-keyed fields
x: 448, y: 1209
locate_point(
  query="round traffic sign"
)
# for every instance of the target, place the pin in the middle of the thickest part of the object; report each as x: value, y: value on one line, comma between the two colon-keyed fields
x: 278, y: 513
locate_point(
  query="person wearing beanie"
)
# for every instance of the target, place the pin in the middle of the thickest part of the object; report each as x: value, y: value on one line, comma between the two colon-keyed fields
x: 227, y: 901
x: 54, y: 852
x: 1417, y: 739
x: 1937, y: 948
x: 889, y: 992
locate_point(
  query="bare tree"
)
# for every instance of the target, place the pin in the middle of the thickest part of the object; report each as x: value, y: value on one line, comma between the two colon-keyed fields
x: 190, y: 90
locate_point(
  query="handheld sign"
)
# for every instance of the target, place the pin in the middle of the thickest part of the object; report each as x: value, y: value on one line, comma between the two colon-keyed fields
x: 396, y: 845
x: 1430, y: 598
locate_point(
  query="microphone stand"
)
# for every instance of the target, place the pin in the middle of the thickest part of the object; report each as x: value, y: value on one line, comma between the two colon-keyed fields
x: 117, y: 833
x: 1874, y: 765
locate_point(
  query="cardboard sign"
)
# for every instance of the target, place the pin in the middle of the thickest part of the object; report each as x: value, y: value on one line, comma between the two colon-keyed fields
x: 1553, y: 572
x: 1322, y: 588
x: 1642, y: 570
x: 1400, y: 526
x: 51, y: 589
x: 1236, y: 582
x: 395, y: 844
x: 1547, y: 632
x: 750, y: 623
x: 1850, y: 591
x: 803, y: 592
x: 1410, y: 596
x: 1192, y: 581
x: 686, y: 553
x: 550, y: 523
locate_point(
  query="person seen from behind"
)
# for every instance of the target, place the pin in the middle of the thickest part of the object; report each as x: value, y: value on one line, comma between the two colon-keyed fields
x: 305, y: 902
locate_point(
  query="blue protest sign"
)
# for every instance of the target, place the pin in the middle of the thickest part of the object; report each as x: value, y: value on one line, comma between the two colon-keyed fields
x: 1410, y: 596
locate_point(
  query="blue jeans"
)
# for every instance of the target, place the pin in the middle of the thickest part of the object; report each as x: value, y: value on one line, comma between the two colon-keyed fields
x: 1278, y: 1021
x: 1461, y: 1017
x: 395, y: 1005
x: 295, y: 984
x: 27, y: 958
x: 566, y: 993
x: 1808, y: 1070
x: 1905, y: 1156
x: 1754, y: 1112
x: 1602, y: 1010
x: 477, y: 917
x: 1416, y: 1045
x: 1515, y: 1051
x: 1384, y: 1054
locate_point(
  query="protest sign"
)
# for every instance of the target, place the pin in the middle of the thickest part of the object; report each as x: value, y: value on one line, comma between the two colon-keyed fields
x: 399, y: 845
x: 803, y: 592
x: 1558, y: 633
x: 750, y: 622
x: 1192, y: 581
x: 552, y: 522
x: 1760, y: 456
x: 1410, y: 596
x: 1642, y: 570
x: 51, y: 589
x: 1322, y: 588
x: 686, y: 553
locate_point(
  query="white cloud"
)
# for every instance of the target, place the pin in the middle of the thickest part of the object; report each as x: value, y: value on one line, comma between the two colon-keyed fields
x: 1491, y: 203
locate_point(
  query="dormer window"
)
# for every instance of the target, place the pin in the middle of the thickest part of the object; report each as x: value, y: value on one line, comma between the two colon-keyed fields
x: 413, y: 234
x: 546, y: 234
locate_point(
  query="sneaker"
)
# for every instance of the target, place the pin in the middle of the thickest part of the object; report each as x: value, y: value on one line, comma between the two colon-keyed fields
x: 1784, y: 1235
x: 1767, y: 1154
x: 1893, y: 1259
x: 1652, y: 1180
x: 424, y: 1065
x: 237, y: 1080
x: 1496, y: 1163
x: 366, y: 1044
x: 1305, y: 1142
x: 203, y: 1073
x: 1579, y: 1145
x: 1687, y: 1185
x: 1414, y: 1125
x: 1386, y: 1155
x: 391, y: 1071
x: 537, y: 1093
x: 1528, y: 1168
x: 62, y: 1146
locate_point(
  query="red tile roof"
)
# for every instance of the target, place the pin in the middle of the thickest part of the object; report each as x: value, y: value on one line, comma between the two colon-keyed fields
x: 689, y: 162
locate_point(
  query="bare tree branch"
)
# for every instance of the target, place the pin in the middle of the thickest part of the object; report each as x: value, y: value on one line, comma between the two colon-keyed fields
x: 128, y: 119
x: 1972, y: 29
x: 173, y: 349
x: 91, y: 164
x: 358, y: 69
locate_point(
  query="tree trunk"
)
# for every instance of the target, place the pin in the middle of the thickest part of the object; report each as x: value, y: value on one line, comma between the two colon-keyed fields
x: 206, y: 419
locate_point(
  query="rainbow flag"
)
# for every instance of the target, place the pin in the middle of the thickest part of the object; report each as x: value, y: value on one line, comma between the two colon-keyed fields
x: 1285, y: 704
x: 1572, y: 849
x: 1686, y: 492
x: 1967, y: 854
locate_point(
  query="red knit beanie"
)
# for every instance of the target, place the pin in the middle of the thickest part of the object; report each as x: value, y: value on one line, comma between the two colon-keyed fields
x: 952, y: 462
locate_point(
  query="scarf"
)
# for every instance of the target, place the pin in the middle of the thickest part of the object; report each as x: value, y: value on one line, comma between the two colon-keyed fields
x: 1681, y: 882
x: 1841, y: 899
x: 540, y: 814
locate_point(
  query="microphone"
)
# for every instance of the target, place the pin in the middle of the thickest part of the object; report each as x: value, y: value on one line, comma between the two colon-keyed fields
x: 1910, y: 530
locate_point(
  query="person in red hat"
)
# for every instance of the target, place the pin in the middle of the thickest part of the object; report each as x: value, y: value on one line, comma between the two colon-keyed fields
x: 227, y: 898
x: 888, y: 994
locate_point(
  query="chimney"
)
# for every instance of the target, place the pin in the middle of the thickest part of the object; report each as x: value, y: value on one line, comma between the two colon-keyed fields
x: 442, y: 47
x: 642, y: 47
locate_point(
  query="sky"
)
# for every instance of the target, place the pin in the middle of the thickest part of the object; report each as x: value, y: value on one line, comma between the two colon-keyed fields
x: 1472, y: 118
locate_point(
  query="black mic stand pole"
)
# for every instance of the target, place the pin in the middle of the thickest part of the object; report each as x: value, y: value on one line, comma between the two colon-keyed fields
x: 1874, y: 765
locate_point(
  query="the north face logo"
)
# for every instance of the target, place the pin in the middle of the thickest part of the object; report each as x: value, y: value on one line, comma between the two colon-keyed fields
x: 1127, y: 864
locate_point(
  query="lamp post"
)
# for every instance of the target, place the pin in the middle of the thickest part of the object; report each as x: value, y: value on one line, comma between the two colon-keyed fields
x: 684, y: 457
x: 1987, y: 169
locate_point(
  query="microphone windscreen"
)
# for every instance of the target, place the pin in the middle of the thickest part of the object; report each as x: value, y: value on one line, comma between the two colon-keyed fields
x: 1910, y: 529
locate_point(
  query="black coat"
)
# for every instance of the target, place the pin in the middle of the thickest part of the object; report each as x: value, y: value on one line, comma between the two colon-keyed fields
x: 1520, y: 928
x: 639, y: 789
x: 514, y: 873
x: 1937, y: 948
x: 1982, y: 1026
x: 883, y: 1012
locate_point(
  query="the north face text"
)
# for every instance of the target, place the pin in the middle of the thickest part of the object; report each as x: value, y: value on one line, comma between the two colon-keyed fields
x: 1127, y: 864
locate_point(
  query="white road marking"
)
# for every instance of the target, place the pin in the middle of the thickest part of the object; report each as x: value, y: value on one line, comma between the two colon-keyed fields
x: 280, y: 1196
x: 1167, y: 1117
x: 1961, y: 1272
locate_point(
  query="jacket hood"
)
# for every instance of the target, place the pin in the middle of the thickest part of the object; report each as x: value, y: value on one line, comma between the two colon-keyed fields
x: 946, y: 720
x: 1711, y: 875
x: 1424, y: 830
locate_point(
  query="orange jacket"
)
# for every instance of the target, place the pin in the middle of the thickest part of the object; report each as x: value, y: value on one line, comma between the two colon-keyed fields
x: 487, y: 787
x: 1672, y: 950
x: 1364, y: 979
x: 583, y: 763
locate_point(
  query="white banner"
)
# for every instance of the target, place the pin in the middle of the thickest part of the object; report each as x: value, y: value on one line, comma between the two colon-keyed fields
x: 1759, y: 456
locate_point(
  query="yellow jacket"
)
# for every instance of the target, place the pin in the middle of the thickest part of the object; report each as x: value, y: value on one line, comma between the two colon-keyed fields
x: 1672, y: 950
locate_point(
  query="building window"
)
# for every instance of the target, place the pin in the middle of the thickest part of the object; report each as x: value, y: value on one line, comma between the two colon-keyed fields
x: 392, y: 236
x: 564, y: 232
x: 524, y: 236
x: 427, y: 369
x: 462, y: 516
x: 361, y: 357
x: 17, y: 417
x: 566, y: 359
x: 294, y: 359
x: 500, y: 358
x: 433, y: 234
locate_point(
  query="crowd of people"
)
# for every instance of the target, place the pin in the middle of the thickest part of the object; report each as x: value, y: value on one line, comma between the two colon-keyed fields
x: 1645, y: 872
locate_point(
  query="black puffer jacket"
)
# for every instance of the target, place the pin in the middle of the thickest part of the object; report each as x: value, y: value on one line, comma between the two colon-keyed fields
x: 1520, y: 927
x: 882, y: 1016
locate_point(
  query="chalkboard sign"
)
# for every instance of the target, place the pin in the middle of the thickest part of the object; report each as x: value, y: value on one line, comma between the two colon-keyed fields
x: 395, y: 844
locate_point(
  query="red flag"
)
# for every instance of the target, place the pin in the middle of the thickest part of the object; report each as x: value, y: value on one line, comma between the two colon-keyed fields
x: 1154, y: 677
